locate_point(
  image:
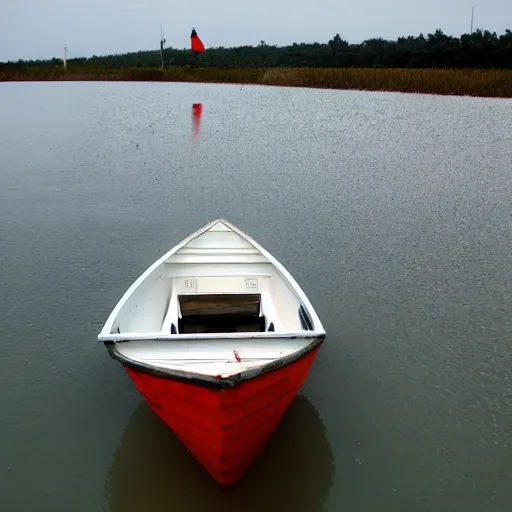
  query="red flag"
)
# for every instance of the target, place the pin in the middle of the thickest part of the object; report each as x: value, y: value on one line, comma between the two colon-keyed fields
x: 196, y: 43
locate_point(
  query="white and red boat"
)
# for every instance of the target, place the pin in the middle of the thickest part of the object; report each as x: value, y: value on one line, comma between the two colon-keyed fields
x: 218, y: 337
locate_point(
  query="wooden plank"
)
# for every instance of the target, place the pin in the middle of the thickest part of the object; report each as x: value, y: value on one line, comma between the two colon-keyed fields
x: 220, y: 304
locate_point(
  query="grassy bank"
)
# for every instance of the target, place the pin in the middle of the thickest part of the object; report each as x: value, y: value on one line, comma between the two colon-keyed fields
x: 486, y: 83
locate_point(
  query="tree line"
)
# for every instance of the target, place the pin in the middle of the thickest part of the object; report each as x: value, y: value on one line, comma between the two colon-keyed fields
x: 480, y: 49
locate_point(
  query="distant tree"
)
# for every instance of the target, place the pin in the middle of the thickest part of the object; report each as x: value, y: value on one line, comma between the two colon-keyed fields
x: 481, y: 49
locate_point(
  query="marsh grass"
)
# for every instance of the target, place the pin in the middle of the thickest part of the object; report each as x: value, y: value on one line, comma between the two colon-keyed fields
x: 488, y: 83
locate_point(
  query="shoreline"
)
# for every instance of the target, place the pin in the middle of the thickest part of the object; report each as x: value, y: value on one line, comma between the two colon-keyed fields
x: 489, y: 83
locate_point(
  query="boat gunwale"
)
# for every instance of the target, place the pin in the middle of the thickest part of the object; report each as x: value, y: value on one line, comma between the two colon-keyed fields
x: 317, y: 327
x: 158, y: 336
x: 209, y: 381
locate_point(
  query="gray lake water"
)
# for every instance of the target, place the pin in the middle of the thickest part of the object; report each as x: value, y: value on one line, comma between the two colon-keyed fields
x: 394, y: 213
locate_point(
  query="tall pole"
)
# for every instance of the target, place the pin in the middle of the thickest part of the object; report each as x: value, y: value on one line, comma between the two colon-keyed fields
x: 65, y: 57
x: 472, y: 16
x: 161, y: 47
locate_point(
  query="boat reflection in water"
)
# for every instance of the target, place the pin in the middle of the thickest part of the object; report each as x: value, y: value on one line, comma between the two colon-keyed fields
x: 197, y: 112
x: 152, y: 471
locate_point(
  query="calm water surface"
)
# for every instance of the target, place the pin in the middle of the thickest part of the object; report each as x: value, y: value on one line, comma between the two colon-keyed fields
x: 394, y: 212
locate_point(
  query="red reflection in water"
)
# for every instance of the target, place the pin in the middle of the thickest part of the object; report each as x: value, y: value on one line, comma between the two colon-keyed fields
x: 197, y: 111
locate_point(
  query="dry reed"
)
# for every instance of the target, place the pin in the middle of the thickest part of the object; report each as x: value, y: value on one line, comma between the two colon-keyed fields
x: 488, y: 83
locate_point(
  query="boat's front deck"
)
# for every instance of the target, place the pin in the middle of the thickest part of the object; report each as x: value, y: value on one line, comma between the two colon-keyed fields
x: 212, y: 357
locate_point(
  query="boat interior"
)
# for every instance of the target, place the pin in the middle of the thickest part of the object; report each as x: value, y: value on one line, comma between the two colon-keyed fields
x: 272, y: 308
x: 218, y: 282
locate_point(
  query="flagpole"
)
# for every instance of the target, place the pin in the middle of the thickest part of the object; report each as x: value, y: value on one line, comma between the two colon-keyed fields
x: 161, y: 47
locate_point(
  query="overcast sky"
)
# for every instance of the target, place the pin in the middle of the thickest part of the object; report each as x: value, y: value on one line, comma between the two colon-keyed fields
x: 32, y: 29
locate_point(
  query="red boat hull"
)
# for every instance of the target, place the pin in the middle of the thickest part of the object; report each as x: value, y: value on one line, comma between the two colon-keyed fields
x: 225, y: 429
